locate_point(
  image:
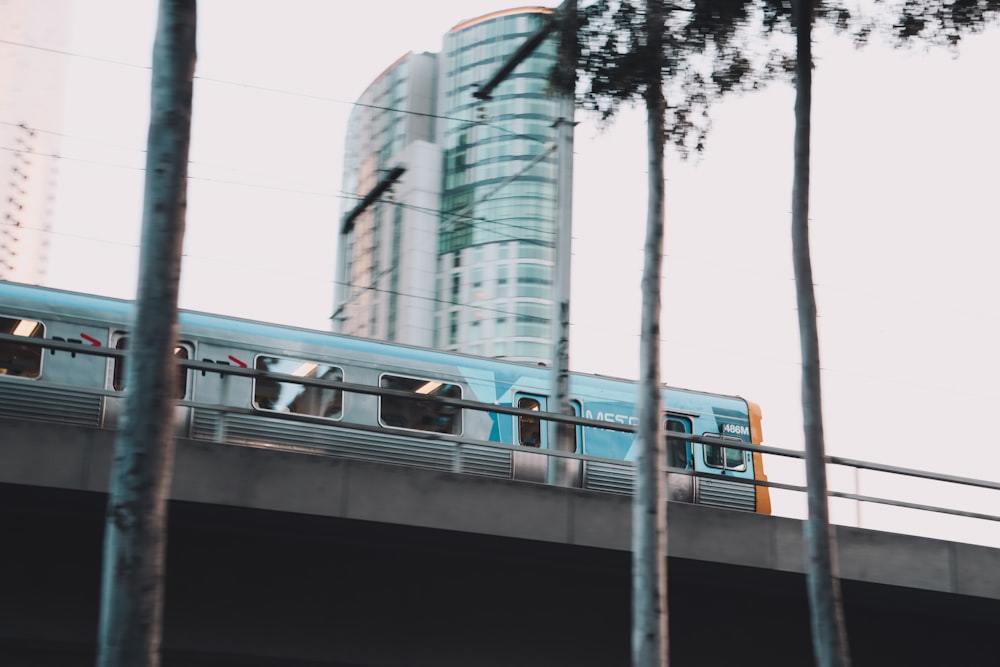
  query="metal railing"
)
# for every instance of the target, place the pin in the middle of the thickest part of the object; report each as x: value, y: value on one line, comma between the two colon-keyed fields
x: 459, y: 443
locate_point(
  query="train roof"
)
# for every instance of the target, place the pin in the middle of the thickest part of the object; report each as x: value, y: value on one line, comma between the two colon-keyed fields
x: 231, y: 328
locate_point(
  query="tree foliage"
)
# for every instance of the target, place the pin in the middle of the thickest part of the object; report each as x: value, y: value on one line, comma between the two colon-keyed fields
x: 943, y: 22
x: 676, y: 59
x: 708, y: 49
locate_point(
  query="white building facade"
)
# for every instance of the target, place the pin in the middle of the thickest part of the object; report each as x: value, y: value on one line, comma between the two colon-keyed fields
x: 32, y: 79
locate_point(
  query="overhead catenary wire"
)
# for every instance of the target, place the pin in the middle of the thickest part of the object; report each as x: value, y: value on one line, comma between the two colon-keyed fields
x: 281, y: 91
x: 479, y: 121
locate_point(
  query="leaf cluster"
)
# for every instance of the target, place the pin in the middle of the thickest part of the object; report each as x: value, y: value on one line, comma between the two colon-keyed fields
x: 943, y: 21
x: 711, y: 48
x: 708, y: 48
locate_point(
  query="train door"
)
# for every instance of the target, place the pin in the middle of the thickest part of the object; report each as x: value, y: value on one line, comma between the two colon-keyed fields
x: 680, y: 486
x: 532, y: 435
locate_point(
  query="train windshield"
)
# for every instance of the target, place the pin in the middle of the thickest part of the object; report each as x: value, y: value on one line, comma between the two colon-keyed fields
x: 726, y: 458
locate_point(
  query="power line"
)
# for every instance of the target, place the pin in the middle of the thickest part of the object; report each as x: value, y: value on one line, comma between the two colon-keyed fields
x: 207, y: 179
x: 72, y: 136
x: 338, y: 195
x: 142, y: 151
x: 281, y: 91
x: 476, y: 219
x: 510, y: 235
x: 63, y: 52
x: 433, y: 299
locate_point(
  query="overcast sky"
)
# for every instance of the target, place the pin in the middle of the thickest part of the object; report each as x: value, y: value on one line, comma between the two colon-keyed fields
x: 904, y: 217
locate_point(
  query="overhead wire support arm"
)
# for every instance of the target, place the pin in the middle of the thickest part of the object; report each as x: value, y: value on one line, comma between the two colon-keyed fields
x: 484, y: 92
x: 370, y: 198
x: 563, y: 19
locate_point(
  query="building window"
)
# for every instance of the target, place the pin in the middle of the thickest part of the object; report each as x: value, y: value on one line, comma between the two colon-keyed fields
x: 531, y: 350
x: 533, y: 320
x: 453, y: 327
x: 534, y: 280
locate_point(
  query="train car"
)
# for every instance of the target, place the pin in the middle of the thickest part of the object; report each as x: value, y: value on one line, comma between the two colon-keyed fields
x: 258, y: 384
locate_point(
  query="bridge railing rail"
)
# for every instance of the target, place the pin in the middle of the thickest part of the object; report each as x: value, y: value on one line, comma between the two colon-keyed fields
x: 459, y: 445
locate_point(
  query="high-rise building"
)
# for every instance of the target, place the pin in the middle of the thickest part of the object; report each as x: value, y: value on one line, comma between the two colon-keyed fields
x: 31, y: 90
x: 458, y: 253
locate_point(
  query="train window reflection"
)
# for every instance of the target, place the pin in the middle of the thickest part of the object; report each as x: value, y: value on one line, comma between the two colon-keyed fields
x: 678, y: 451
x: 118, y: 372
x: 726, y: 458
x: 20, y: 359
x: 420, y: 412
x: 295, y: 397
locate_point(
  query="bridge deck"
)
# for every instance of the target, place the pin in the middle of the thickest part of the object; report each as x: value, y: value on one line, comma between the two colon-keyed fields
x: 74, y: 458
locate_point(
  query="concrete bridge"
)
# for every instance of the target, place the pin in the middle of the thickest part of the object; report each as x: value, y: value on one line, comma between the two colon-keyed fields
x: 288, y: 558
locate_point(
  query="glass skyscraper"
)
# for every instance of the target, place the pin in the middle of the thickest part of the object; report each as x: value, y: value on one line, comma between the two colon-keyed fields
x: 460, y: 255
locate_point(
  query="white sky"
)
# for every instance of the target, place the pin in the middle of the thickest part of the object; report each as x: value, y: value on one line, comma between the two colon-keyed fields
x: 904, y: 221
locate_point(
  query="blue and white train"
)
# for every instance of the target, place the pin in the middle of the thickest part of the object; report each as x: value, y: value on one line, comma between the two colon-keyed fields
x: 258, y: 384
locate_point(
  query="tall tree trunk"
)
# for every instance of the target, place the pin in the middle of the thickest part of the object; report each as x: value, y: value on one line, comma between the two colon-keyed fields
x: 650, y: 644
x: 828, y: 631
x: 135, y: 526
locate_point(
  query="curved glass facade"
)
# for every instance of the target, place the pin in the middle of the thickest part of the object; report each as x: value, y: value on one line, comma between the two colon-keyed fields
x: 483, y: 282
x: 498, y: 198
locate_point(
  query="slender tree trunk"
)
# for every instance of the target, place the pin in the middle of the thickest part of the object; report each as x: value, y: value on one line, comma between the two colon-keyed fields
x: 828, y: 631
x: 650, y: 645
x: 135, y: 527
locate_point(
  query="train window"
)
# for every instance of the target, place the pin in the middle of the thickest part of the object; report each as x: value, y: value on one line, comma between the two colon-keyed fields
x: 296, y: 397
x: 678, y: 450
x: 726, y: 458
x: 118, y: 372
x: 418, y: 411
x: 20, y: 359
x: 529, y: 429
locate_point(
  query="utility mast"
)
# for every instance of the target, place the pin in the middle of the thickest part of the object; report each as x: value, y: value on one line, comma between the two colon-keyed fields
x: 564, y: 19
